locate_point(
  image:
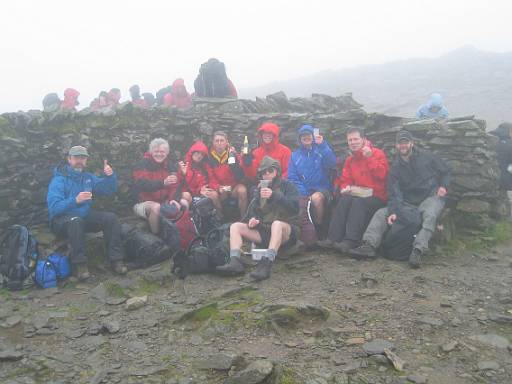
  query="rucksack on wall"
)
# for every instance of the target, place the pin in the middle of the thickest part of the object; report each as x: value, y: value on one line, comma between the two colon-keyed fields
x: 212, y: 80
x: 18, y: 256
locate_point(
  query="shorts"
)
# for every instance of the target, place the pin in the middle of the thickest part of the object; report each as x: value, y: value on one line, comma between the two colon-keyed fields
x: 265, y: 233
x: 142, y: 209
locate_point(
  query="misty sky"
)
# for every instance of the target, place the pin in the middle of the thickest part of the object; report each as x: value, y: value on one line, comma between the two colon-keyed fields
x: 94, y: 45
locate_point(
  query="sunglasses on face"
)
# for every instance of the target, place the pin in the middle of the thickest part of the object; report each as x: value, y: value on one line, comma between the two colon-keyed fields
x: 268, y: 170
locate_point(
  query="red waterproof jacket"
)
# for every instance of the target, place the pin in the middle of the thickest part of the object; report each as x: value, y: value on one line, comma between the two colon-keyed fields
x: 70, y: 99
x: 370, y: 172
x: 224, y: 173
x: 148, y: 177
x: 178, y: 96
x: 275, y: 150
x: 232, y: 89
x: 199, y: 174
x: 140, y: 102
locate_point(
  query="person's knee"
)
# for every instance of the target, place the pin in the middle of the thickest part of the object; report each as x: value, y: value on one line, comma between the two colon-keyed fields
x: 241, y: 191
x: 236, y: 228
x: 318, y: 198
x: 187, y: 196
x: 277, y: 226
x: 154, y: 209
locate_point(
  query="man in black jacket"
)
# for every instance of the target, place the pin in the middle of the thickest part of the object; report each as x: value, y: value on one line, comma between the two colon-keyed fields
x: 272, y: 221
x: 417, y: 178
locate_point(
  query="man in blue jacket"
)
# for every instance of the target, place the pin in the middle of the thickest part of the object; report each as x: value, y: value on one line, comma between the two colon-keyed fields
x: 433, y: 109
x: 309, y: 169
x: 69, y: 200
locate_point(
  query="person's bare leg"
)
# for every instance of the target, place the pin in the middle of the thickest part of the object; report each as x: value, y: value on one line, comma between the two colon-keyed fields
x: 318, y: 203
x: 237, y: 232
x: 279, y: 234
x: 240, y: 231
x: 186, y: 199
x: 240, y: 193
x: 154, y: 217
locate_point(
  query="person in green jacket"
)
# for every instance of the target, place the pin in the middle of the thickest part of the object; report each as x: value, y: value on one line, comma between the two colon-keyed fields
x: 271, y: 222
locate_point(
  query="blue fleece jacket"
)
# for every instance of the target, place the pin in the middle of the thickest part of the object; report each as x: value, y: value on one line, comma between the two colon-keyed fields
x: 67, y: 183
x: 436, y: 100
x: 309, y: 168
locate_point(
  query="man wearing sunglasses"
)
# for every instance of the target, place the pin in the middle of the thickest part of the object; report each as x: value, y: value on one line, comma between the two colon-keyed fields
x: 271, y: 221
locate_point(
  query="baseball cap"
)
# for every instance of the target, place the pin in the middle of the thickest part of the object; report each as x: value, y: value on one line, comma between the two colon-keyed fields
x: 404, y: 135
x: 78, y: 150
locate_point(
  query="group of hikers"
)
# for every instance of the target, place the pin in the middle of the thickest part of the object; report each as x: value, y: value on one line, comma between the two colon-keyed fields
x: 280, y: 196
x: 211, y: 81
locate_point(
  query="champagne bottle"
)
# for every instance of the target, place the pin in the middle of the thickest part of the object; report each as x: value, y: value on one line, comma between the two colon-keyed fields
x: 245, y: 148
x: 232, y: 157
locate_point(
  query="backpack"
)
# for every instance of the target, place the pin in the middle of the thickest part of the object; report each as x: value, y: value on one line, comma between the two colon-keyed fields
x: 204, y: 215
x: 307, y: 228
x: 212, y: 80
x: 142, y: 248
x: 204, y: 253
x: 45, y: 274
x: 51, y: 102
x: 18, y: 256
x: 178, y: 231
x: 398, y: 241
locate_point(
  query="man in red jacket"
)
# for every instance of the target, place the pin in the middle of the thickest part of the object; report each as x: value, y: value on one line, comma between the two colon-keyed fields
x: 366, y: 167
x: 226, y: 169
x: 158, y: 180
x: 269, y: 146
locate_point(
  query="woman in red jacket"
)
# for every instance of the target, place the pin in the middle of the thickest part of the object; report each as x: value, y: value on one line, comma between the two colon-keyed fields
x: 269, y: 146
x: 366, y: 167
x: 201, y: 181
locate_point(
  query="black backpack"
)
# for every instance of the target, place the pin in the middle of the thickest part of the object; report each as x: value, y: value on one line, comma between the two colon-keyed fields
x: 19, y: 253
x: 204, y: 253
x: 398, y: 240
x: 204, y: 215
x: 51, y: 102
x: 142, y: 248
x: 212, y: 80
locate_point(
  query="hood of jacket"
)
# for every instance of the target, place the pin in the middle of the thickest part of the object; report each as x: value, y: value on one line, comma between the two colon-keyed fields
x: 198, y: 146
x: 306, y: 128
x: 272, y: 128
x: 436, y: 100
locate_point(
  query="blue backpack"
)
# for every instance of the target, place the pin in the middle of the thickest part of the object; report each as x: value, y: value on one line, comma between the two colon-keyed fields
x: 48, y: 272
x: 18, y: 256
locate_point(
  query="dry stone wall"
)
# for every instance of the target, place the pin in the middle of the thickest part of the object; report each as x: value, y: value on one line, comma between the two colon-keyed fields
x: 32, y: 143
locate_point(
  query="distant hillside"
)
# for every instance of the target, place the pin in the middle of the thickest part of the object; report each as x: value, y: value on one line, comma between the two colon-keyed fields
x: 471, y: 82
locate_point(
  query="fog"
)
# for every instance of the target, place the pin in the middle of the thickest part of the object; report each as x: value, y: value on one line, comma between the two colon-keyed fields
x: 93, y: 45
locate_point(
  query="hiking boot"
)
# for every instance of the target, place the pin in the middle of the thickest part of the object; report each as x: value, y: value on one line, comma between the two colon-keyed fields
x: 81, y: 271
x: 233, y: 268
x: 415, y: 258
x: 263, y: 269
x: 296, y: 248
x: 345, y: 246
x: 363, y: 251
x: 327, y: 244
x: 119, y: 267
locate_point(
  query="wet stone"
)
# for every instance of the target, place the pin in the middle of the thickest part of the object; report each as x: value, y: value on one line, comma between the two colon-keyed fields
x: 376, y: 347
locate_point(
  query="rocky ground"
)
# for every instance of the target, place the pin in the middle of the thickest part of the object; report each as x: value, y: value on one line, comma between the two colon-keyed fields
x: 321, y: 318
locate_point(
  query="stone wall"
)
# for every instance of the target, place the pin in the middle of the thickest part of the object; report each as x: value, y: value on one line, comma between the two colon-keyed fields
x: 32, y: 143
